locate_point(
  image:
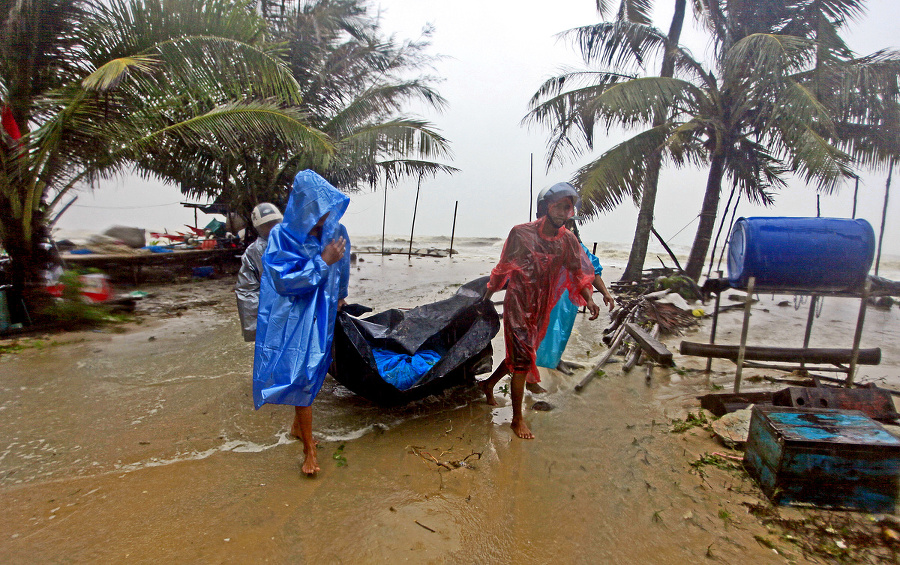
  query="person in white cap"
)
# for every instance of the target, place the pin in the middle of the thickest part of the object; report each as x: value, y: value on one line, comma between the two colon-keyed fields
x: 264, y: 217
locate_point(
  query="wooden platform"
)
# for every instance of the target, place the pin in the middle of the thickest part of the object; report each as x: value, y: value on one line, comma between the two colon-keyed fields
x: 131, y: 264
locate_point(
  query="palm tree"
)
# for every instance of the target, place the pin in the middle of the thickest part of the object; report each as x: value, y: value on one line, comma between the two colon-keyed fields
x: 752, y: 121
x: 101, y: 87
x: 354, y: 84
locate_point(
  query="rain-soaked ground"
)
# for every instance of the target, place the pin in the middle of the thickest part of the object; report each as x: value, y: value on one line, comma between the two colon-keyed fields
x: 143, y: 446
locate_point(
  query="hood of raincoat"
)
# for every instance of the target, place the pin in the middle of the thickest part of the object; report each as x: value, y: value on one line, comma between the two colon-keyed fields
x: 299, y: 293
x: 311, y: 198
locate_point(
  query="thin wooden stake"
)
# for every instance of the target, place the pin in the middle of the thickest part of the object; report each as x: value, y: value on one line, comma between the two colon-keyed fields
x: 857, y: 337
x: 887, y: 192
x: 531, y: 190
x: 743, y: 348
x: 453, y: 230
x: 413, y: 228
x: 384, y: 218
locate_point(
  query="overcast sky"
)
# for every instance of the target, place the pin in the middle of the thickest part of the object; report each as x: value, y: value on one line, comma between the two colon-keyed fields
x: 497, y: 54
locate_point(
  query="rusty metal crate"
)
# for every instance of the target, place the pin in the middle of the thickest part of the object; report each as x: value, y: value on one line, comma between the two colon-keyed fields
x: 830, y: 458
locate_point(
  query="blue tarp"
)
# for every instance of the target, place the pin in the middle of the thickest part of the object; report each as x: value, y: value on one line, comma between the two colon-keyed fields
x: 402, y: 370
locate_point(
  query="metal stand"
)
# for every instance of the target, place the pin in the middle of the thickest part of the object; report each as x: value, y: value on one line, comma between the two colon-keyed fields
x: 850, y: 369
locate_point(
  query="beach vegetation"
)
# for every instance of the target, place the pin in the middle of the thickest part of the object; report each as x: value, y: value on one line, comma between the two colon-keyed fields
x: 71, y: 310
x: 690, y: 421
x: 339, y: 458
x: 783, y: 95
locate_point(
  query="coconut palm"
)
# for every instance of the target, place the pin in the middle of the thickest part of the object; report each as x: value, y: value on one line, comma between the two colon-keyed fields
x: 639, y: 12
x: 752, y: 121
x: 355, y: 84
x: 97, y: 88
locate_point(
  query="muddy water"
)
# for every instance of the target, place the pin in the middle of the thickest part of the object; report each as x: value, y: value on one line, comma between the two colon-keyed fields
x: 144, y: 447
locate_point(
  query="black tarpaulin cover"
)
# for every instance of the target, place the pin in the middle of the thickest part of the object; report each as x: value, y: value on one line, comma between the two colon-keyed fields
x: 459, y: 328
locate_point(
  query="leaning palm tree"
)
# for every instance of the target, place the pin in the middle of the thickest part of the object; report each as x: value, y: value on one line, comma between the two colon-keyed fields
x: 638, y: 12
x: 751, y: 121
x: 95, y: 88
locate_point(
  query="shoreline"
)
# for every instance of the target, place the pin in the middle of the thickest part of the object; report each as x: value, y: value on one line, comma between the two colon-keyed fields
x: 101, y: 462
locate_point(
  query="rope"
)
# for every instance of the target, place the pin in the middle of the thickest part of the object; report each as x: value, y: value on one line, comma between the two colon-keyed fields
x: 684, y: 228
x: 125, y: 207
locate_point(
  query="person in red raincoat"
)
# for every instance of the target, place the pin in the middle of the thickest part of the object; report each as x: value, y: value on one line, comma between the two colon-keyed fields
x: 539, y: 261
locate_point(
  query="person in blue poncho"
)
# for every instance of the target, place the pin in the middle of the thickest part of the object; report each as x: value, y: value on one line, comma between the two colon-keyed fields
x: 306, y: 271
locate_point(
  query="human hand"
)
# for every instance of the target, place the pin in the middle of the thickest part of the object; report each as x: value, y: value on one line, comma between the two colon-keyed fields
x: 334, y: 251
x: 594, y: 309
x: 609, y: 301
x: 341, y: 304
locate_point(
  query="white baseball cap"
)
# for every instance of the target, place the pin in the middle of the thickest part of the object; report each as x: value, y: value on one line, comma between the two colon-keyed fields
x: 265, y: 213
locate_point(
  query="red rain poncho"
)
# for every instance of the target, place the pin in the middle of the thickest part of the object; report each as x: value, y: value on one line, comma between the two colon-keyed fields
x: 536, y: 269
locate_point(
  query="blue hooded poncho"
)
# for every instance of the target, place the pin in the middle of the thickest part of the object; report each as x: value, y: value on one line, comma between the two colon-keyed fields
x: 298, y: 298
x: 562, y: 320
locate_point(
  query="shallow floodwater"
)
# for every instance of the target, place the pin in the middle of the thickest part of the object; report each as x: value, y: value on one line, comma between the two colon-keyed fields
x: 144, y: 447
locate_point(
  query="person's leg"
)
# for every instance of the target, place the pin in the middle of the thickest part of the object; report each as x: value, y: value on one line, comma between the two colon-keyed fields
x: 303, y: 420
x: 517, y: 394
x: 295, y: 427
x: 488, y: 384
x: 535, y: 388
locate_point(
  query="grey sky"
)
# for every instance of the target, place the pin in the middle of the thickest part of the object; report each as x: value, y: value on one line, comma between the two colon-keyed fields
x: 497, y: 54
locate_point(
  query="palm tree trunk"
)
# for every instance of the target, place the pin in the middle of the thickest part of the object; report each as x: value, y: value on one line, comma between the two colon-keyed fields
x: 648, y: 196
x: 644, y: 221
x: 707, y: 217
x: 27, y: 296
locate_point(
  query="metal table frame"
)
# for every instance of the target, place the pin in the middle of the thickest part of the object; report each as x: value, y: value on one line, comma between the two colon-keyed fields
x: 850, y: 370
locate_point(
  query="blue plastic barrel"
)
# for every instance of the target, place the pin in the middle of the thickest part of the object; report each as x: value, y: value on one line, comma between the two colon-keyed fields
x: 801, y: 254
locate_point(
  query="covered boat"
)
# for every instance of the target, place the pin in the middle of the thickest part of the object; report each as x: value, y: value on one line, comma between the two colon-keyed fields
x: 448, y: 341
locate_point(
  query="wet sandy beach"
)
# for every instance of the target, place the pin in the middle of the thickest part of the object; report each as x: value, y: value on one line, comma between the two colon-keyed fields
x: 143, y: 446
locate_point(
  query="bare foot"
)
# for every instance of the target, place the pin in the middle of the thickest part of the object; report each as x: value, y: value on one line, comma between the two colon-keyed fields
x: 535, y: 388
x: 488, y: 391
x: 295, y: 429
x: 521, y: 429
x: 310, y: 462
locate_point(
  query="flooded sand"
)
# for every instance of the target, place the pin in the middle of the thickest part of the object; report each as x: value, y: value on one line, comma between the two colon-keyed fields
x: 144, y: 446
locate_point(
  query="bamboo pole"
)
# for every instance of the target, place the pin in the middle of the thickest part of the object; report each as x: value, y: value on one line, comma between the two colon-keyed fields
x: 613, y: 347
x: 715, y: 323
x: 809, y: 323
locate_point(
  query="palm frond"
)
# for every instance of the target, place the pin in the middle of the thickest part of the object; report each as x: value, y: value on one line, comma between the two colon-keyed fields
x: 640, y: 100
x: 761, y: 54
x: 109, y: 75
x: 619, y: 172
x: 402, y: 137
x: 619, y: 44
x: 815, y: 159
x: 755, y: 171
